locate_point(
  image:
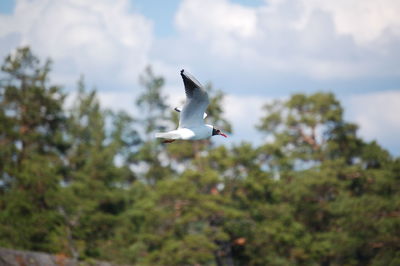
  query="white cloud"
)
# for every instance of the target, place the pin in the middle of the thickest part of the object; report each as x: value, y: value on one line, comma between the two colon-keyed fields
x: 377, y: 114
x: 319, y: 39
x: 232, y: 18
x: 101, y: 39
x: 364, y: 20
x: 222, y: 25
x: 244, y: 112
x: 118, y: 101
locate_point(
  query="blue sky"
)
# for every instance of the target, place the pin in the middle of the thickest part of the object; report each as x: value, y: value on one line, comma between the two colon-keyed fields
x: 254, y: 51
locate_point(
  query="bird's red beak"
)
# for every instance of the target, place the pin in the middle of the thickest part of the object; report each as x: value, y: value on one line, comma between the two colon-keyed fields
x: 222, y: 134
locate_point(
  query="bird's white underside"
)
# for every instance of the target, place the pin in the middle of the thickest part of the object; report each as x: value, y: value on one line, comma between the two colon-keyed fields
x: 195, y: 133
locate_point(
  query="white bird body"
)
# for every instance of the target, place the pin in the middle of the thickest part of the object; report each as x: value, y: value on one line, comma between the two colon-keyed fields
x: 191, y: 120
x: 194, y: 133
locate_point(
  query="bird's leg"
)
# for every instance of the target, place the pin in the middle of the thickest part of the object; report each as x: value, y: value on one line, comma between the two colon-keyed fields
x: 168, y: 140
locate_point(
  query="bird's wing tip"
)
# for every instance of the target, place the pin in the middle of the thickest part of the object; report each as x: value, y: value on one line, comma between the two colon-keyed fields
x: 182, y: 71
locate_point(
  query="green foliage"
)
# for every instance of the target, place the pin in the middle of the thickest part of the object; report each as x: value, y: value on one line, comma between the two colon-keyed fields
x: 306, y: 130
x: 31, y: 146
x: 94, y: 184
x: 92, y: 179
x: 152, y: 102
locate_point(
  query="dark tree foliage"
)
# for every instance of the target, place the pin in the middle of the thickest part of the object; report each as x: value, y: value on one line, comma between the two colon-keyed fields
x: 94, y: 184
x: 93, y: 180
x: 31, y: 148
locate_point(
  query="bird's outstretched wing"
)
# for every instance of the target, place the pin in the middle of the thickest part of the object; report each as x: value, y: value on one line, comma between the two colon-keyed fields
x: 179, y: 109
x: 195, y: 104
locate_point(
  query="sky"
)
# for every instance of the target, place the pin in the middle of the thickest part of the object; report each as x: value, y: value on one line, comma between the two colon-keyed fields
x: 254, y: 51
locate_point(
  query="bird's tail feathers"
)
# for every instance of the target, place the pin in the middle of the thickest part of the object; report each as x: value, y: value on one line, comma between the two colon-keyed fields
x: 160, y: 135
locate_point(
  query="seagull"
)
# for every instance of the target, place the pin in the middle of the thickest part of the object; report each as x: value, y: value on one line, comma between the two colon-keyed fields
x: 191, y: 120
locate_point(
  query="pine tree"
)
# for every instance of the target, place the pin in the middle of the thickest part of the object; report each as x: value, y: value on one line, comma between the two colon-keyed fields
x: 306, y: 130
x: 102, y: 145
x: 152, y: 106
x: 339, y: 202
x: 31, y: 147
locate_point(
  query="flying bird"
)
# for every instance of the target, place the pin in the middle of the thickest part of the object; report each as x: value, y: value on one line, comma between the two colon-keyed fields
x: 191, y: 120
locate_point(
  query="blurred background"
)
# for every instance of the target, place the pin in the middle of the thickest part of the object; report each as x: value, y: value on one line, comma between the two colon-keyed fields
x: 254, y: 51
x: 308, y: 91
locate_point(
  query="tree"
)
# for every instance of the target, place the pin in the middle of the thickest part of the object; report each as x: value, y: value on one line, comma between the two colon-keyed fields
x: 342, y: 199
x: 153, y: 108
x: 306, y: 130
x: 31, y: 147
x: 97, y: 171
x: 152, y: 103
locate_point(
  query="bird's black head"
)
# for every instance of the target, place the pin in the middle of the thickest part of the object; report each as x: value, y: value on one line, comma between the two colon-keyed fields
x: 218, y: 132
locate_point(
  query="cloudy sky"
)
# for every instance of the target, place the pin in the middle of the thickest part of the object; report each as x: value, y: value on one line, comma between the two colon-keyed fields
x: 253, y: 50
